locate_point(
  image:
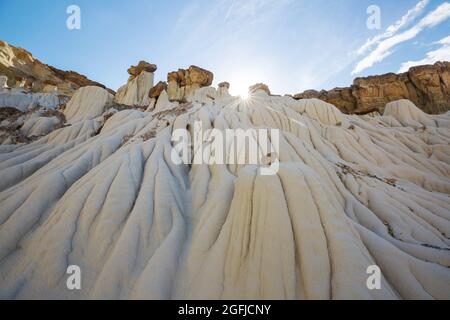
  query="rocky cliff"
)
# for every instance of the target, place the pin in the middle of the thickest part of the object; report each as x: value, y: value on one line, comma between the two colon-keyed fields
x: 427, y: 86
x: 23, y: 70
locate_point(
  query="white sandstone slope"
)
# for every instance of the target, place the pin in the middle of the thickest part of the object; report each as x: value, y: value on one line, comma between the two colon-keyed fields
x: 105, y: 195
x: 88, y: 103
x: 135, y: 92
x: 24, y: 101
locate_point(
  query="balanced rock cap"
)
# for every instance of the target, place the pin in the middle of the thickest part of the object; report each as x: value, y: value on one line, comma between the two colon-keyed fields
x: 157, y: 89
x: 134, y: 71
x: 224, y: 85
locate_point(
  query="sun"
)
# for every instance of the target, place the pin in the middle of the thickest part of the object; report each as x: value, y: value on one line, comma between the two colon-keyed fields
x: 239, y: 88
x: 244, y: 95
x: 241, y: 82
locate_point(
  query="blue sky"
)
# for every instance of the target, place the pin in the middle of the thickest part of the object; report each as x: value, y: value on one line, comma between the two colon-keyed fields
x: 291, y: 45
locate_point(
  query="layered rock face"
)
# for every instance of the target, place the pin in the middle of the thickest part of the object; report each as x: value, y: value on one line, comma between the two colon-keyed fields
x: 22, y: 70
x: 426, y: 86
x: 136, y: 91
x: 259, y: 86
x: 183, y: 83
x: 88, y: 103
x: 105, y: 193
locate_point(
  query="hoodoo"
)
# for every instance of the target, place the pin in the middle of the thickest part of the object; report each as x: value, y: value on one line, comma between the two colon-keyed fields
x: 89, y: 179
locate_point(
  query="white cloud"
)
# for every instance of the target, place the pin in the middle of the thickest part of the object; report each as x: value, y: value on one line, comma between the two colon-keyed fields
x: 445, y: 41
x: 394, y: 28
x: 440, y: 54
x: 385, y: 47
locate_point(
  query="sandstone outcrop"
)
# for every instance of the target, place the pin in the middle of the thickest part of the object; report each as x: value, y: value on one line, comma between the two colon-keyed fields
x: 259, y: 86
x: 135, y: 71
x: 157, y: 89
x: 224, y: 85
x: 24, y: 70
x: 427, y: 86
x: 183, y: 83
x: 3, y: 81
x: 88, y: 103
x: 23, y: 100
x: 137, y: 89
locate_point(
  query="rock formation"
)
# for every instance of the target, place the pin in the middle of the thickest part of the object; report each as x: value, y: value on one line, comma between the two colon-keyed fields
x: 183, y: 83
x: 25, y: 100
x: 157, y: 89
x: 259, y: 86
x: 88, y: 103
x: 95, y: 182
x: 135, y: 71
x: 104, y: 193
x: 3, y: 82
x: 136, y: 91
x: 224, y: 85
x: 24, y: 70
x: 426, y: 86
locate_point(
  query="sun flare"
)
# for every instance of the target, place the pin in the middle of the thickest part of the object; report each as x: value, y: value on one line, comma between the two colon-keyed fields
x: 240, y: 90
x: 244, y: 95
x: 239, y: 86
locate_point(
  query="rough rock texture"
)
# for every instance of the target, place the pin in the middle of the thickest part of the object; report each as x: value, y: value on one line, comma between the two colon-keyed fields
x: 3, y: 81
x: 351, y: 191
x: 259, y: 86
x: 134, y: 71
x: 157, y: 89
x: 426, y: 86
x: 23, y: 100
x: 183, y: 83
x: 137, y: 89
x: 39, y: 126
x: 24, y: 70
x: 224, y: 85
x: 7, y: 112
x: 88, y: 103
x: 34, y: 122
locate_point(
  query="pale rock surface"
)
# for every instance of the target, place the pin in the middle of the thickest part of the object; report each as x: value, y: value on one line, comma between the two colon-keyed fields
x: 88, y: 103
x: 223, y: 89
x: 3, y: 82
x: 151, y: 105
x: 136, y: 91
x: 259, y: 86
x: 208, y: 94
x: 105, y: 195
x: 157, y: 89
x: 183, y: 83
x: 21, y: 100
x: 135, y: 71
x: 407, y: 114
x: 39, y: 126
x: 164, y: 104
